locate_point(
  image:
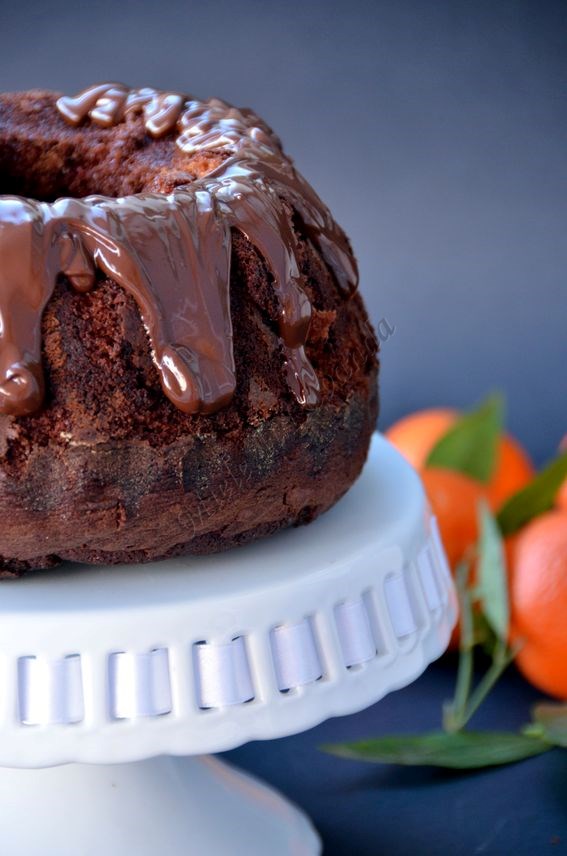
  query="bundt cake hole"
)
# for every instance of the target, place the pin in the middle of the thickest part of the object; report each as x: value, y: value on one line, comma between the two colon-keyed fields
x: 65, y: 169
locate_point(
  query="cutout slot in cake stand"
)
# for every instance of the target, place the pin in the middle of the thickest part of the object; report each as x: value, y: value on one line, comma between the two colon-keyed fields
x: 121, y: 674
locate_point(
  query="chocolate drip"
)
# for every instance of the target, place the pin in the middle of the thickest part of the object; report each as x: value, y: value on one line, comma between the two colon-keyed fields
x: 170, y: 252
x: 240, y: 133
x: 108, y: 103
x: 177, y: 274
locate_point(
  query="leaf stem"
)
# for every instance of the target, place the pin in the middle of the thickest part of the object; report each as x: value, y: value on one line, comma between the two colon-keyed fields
x: 503, y: 656
x: 455, y: 710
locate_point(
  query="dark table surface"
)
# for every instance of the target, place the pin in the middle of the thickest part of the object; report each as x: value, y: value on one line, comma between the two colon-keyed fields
x: 366, y: 810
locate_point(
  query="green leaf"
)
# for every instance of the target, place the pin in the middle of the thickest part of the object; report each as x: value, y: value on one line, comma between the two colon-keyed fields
x: 538, y: 496
x: 471, y: 445
x: 492, y: 587
x: 551, y: 719
x: 464, y: 750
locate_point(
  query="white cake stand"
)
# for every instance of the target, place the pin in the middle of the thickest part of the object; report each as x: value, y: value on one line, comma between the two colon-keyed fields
x: 112, y: 673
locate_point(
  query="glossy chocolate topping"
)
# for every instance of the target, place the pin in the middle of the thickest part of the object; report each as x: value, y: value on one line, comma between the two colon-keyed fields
x: 170, y: 252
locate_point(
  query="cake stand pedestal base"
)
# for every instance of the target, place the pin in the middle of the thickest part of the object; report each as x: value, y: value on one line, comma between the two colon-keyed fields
x: 197, y: 805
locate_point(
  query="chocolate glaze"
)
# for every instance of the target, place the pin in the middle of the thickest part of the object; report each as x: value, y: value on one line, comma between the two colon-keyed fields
x: 170, y: 252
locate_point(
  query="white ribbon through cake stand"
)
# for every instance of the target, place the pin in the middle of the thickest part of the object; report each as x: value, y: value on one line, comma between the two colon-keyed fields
x: 103, y: 668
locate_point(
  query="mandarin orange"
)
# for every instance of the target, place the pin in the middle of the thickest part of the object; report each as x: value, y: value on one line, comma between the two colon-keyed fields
x: 454, y: 499
x: 513, y: 471
x: 538, y: 598
x: 416, y: 435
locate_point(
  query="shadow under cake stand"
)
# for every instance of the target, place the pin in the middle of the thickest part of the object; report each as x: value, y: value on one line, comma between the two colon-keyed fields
x: 107, y: 676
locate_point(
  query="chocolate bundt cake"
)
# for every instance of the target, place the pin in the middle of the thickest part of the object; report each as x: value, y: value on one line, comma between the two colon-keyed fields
x: 185, y: 362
